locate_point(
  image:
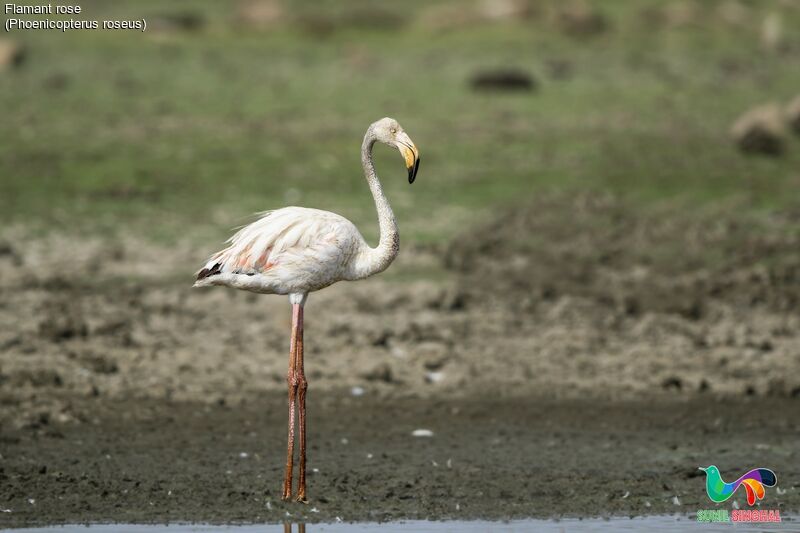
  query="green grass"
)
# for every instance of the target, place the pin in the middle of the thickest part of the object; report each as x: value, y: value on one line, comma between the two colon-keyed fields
x: 161, y: 131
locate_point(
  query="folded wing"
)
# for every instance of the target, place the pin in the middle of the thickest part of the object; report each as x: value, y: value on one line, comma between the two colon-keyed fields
x: 291, y: 242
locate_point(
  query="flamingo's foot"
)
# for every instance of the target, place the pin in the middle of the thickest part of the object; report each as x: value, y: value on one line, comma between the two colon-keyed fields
x: 287, y: 492
x: 301, y: 496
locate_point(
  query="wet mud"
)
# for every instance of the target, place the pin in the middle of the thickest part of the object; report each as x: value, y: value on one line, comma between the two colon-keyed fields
x: 155, y: 461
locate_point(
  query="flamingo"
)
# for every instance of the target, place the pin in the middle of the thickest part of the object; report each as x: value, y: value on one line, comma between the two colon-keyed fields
x: 296, y: 250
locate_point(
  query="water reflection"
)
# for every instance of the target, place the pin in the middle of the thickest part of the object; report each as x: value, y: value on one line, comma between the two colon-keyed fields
x: 656, y: 524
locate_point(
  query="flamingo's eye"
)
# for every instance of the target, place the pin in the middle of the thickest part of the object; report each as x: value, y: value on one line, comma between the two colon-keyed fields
x: 394, y: 130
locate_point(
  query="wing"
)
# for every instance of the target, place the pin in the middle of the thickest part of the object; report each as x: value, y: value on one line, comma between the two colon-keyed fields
x: 290, y: 241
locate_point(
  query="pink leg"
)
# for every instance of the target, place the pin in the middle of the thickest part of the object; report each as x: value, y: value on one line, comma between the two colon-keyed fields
x: 302, y: 385
x: 292, y: 380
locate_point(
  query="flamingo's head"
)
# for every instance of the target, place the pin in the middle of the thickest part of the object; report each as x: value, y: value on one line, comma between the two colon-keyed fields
x: 388, y: 131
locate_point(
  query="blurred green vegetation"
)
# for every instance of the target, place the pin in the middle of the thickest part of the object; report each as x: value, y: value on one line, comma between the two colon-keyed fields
x: 205, y: 118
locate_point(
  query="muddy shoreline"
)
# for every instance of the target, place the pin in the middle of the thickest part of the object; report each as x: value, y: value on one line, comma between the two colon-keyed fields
x: 498, y: 458
x: 575, y: 357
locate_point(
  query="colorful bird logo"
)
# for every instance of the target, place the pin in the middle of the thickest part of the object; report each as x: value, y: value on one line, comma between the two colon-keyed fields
x: 754, y: 482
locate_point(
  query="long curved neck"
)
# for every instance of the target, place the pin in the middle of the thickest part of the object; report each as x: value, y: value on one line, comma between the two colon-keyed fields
x: 374, y: 260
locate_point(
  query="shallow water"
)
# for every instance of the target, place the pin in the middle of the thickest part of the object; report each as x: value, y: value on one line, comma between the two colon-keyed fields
x: 648, y: 523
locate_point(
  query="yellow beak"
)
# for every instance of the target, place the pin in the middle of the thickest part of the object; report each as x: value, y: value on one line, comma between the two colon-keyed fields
x: 410, y: 154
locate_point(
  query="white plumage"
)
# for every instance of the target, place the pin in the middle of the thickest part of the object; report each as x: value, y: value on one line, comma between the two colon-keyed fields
x: 289, y: 250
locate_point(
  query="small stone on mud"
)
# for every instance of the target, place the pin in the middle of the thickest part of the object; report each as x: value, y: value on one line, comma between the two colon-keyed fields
x: 178, y: 21
x: 100, y: 364
x: 504, y: 10
x: 380, y: 372
x: 772, y: 32
x: 382, y: 338
x: 454, y: 300
x: 580, y: 19
x: 357, y: 391
x: 434, y: 377
x: 12, y: 54
x: 60, y: 326
x: 760, y: 131
x: 422, y: 433
x: 260, y: 14
x: 793, y: 114
x: 503, y: 80
x: 7, y: 250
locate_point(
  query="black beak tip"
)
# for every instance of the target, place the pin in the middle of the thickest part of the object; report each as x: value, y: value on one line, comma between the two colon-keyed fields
x: 412, y: 172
